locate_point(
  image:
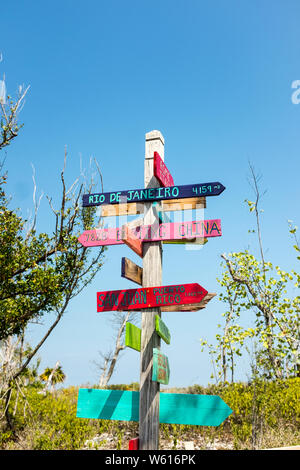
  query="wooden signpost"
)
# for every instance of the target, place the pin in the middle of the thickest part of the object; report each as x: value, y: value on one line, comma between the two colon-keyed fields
x: 150, y: 297
x: 152, y: 233
x: 152, y: 276
x: 145, y: 237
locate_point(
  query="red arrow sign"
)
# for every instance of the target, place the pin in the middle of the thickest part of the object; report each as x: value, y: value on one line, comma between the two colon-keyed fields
x: 161, y: 172
x: 150, y: 297
x: 130, y: 240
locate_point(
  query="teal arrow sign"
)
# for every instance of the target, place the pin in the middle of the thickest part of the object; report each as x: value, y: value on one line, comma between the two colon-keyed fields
x: 176, y: 408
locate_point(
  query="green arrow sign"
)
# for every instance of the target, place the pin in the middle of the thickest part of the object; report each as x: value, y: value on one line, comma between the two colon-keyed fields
x: 162, y: 330
x: 176, y: 408
x: 133, y: 336
x: 161, y: 369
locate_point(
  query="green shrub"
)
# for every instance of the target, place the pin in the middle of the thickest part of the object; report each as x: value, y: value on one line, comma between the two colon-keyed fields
x: 263, y: 412
x: 261, y: 405
x: 52, y: 420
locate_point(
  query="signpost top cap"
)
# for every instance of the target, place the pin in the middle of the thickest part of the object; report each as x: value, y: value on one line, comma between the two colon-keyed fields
x: 155, y: 135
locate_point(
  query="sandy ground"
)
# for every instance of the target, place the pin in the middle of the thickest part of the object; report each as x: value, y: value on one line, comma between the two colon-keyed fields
x: 107, y: 441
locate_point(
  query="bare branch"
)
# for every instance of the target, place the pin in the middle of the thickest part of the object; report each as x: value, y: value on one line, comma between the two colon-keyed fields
x: 10, y: 129
x: 100, y: 174
x: 256, y: 180
x: 110, y: 360
x: 36, y: 204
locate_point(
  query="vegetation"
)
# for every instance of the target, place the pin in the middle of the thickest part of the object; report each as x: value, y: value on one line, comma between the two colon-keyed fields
x: 262, y: 292
x: 9, y: 122
x: 266, y: 414
x: 41, y: 272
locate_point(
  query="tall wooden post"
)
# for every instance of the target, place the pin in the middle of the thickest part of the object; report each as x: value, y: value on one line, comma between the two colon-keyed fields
x: 152, y: 276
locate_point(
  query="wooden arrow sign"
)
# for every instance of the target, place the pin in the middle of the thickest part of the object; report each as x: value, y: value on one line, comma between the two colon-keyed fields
x: 111, y: 210
x: 153, y: 194
x: 176, y: 408
x: 131, y: 271
x: 149, y: 297
x: 189, y: 307
x: 161, y: 172
x: 129, y: 238
x: 183, y: 231
x: 192, y: 241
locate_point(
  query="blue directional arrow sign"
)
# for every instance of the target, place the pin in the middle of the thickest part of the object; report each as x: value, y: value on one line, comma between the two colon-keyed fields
x: 176, y: 408
x: 153, y: 194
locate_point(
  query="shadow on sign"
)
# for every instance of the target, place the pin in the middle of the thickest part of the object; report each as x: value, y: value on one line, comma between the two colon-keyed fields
x: 108, y: 404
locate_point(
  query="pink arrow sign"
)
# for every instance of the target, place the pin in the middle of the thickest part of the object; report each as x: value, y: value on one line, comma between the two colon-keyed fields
x: 150, y: 297
x: 156, y: 232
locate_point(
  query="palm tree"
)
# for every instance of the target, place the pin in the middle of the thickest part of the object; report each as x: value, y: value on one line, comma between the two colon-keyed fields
x: 52, y: 376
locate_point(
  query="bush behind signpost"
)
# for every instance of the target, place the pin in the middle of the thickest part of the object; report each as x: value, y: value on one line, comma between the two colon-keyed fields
x: 266, y: 414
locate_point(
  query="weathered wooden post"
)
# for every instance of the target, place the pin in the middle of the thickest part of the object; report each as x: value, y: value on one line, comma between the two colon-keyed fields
x: 152, y: 276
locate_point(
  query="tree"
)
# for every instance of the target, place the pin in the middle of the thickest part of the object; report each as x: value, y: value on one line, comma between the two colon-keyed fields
x: 41, y: 272
x: 232, y: 338
x: 53, y: 376
x: 12, y: 355
x: 10, y: 110
x: 109, y: 359
x: 257, y: 287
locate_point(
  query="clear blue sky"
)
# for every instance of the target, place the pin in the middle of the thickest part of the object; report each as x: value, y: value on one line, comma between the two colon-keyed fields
x: 215, y: 78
